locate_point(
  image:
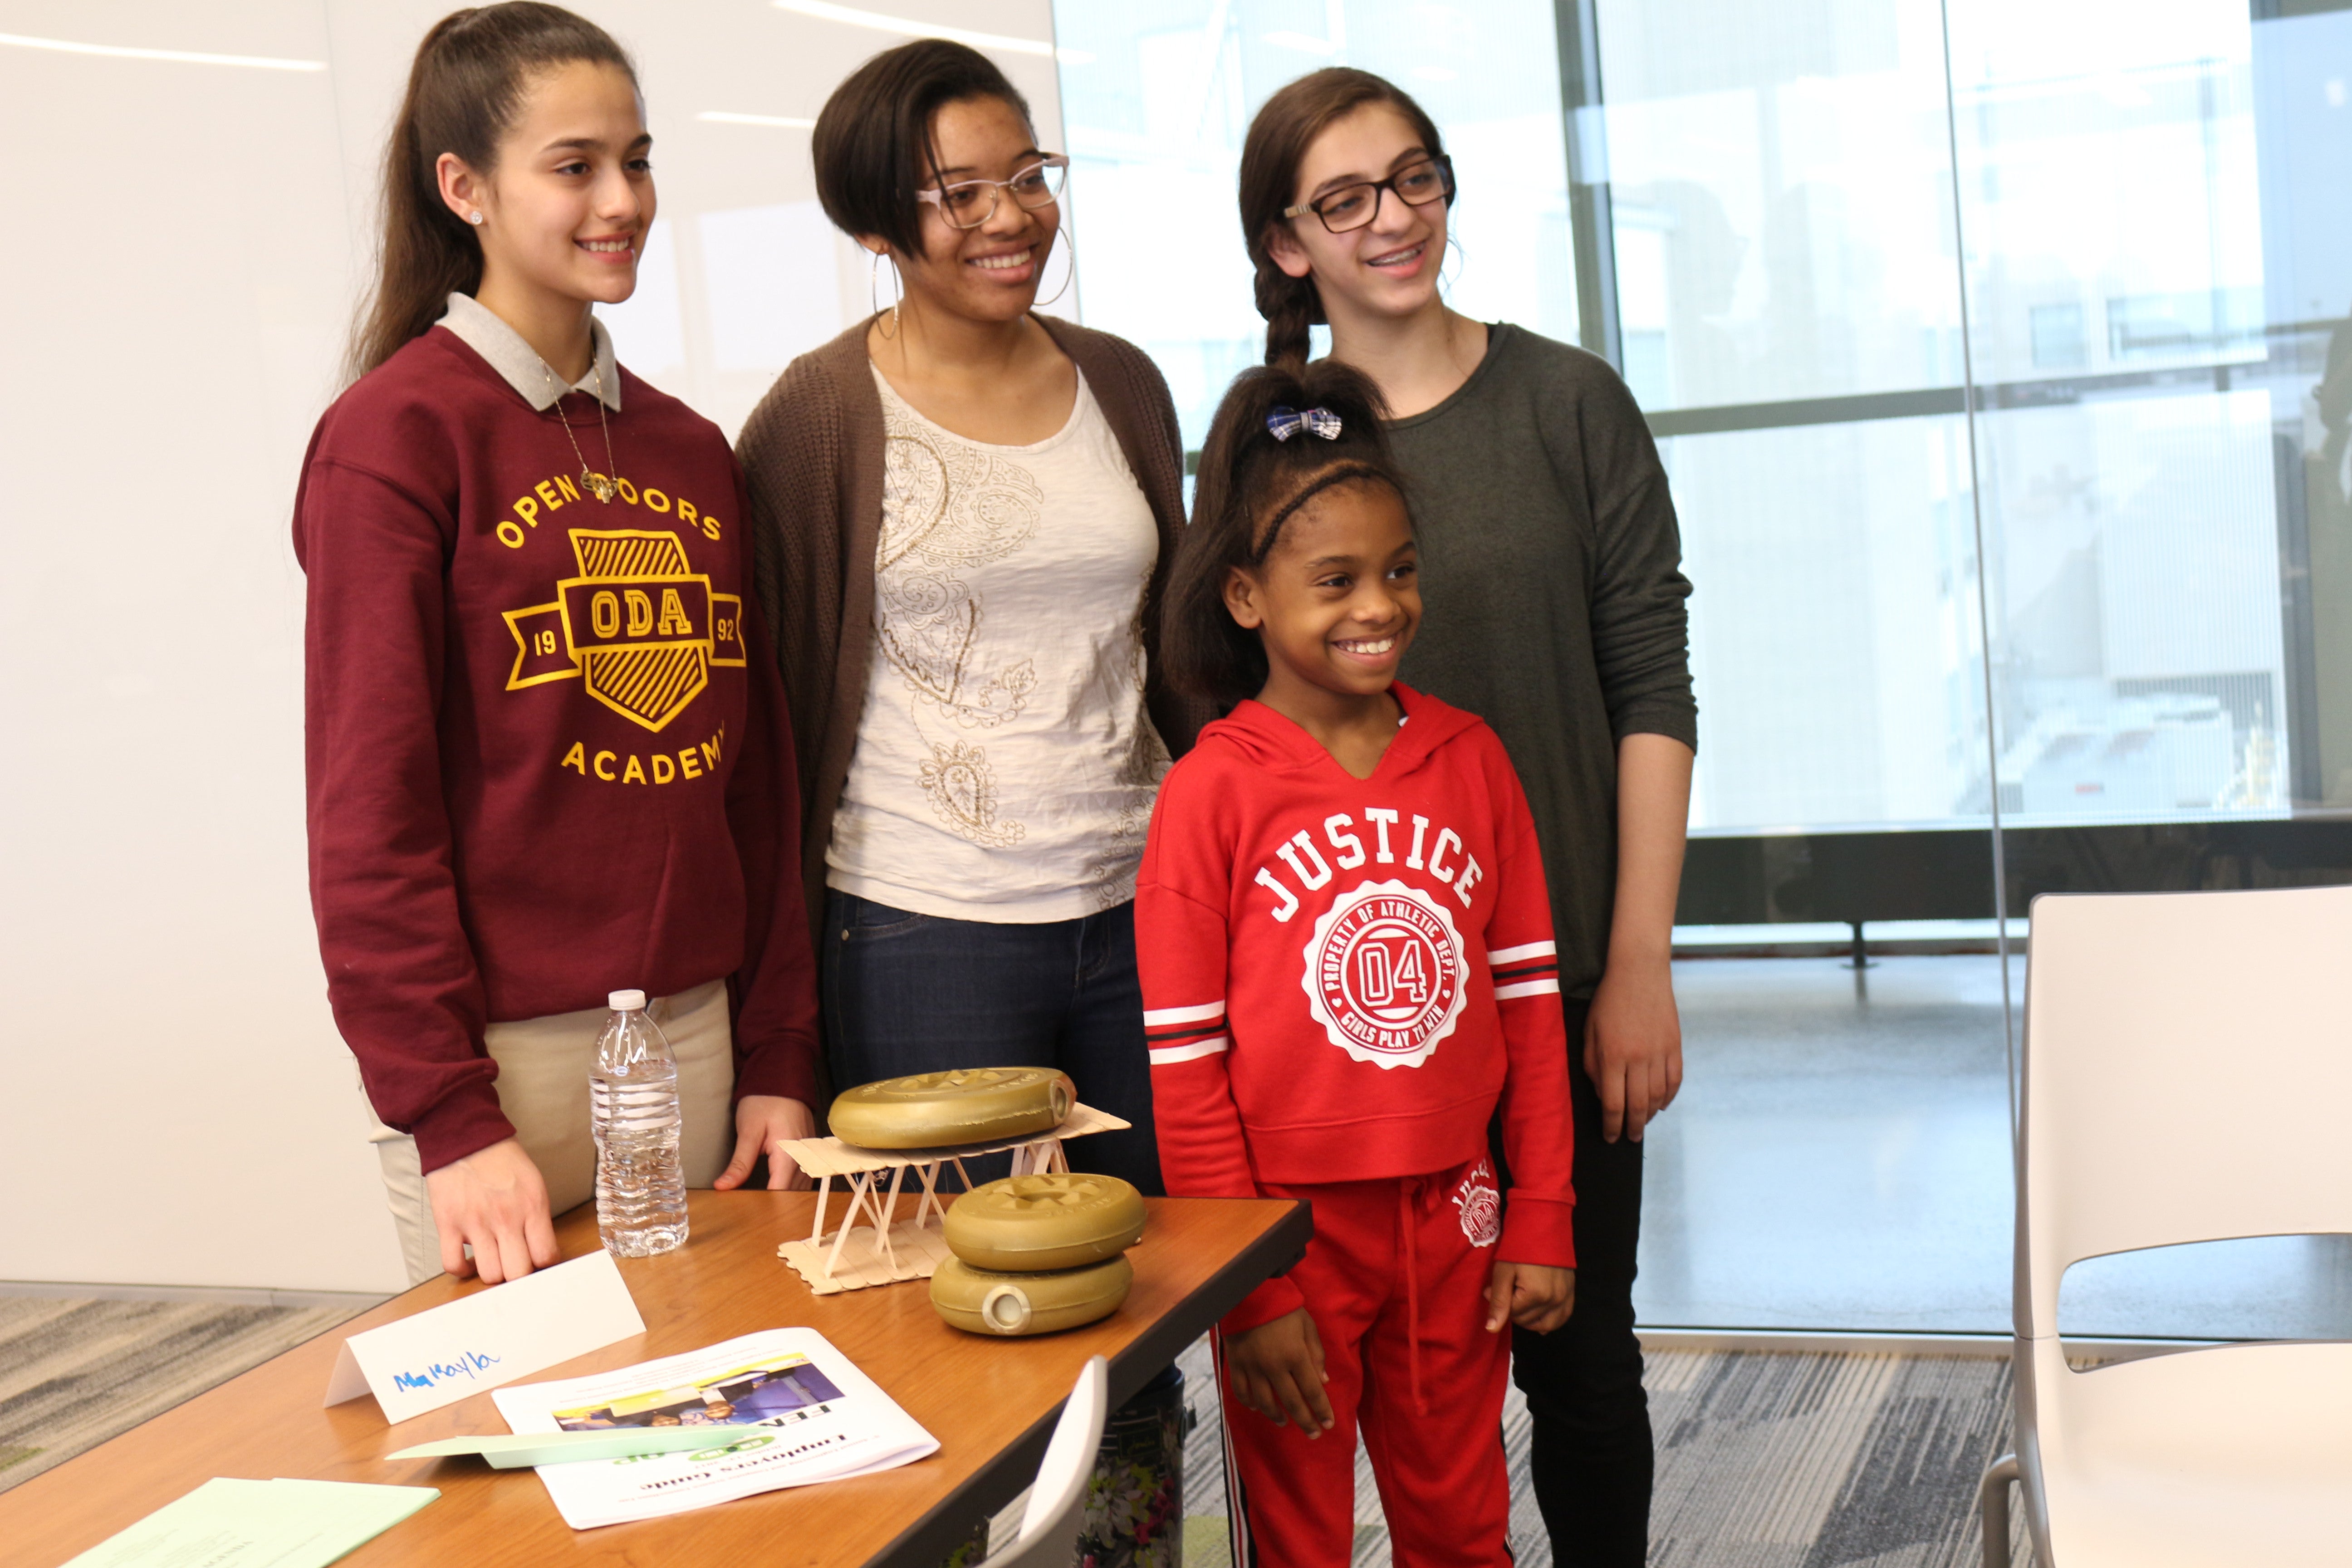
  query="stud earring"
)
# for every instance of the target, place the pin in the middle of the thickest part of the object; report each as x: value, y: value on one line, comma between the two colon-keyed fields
x: 473, y: 218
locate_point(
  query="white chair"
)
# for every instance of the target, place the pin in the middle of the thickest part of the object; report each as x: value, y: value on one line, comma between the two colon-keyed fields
x: 1057, y: 1502
x: 2188, y: 1077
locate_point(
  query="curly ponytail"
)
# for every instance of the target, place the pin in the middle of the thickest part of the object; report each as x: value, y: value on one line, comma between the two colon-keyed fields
x: 1285, y: 127
x: 1250, y: 482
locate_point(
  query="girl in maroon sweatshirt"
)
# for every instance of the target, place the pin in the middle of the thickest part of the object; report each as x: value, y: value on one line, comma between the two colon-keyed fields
x: 1347, y: 967
x: 546, y: 750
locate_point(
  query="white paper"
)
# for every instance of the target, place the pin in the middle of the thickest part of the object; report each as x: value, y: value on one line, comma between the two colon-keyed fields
x: 493, y: 1336
x: 786, y: 1409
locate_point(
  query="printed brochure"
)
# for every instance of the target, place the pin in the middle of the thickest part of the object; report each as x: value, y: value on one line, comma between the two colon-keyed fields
x: 784, y: 1407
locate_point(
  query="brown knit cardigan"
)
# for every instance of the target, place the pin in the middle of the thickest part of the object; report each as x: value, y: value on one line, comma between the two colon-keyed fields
x: 812, y: 452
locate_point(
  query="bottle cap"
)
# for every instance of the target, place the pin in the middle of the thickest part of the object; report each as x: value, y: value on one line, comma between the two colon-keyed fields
x: 628, y: 1000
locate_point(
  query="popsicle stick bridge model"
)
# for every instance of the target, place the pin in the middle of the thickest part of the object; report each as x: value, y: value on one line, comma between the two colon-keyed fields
x: 854, y: 1256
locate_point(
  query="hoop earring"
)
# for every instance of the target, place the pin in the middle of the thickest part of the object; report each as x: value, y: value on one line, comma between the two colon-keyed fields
x: 1461, y: 255
x: 874, y: 294
x: 1069, y: 234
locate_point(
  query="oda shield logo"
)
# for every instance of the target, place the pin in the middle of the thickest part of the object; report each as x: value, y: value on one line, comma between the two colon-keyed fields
x: 1384, y: 974
x: 637, y: 627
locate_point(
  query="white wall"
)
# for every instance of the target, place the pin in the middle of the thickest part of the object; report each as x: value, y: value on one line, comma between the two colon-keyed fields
x: 192, y: 238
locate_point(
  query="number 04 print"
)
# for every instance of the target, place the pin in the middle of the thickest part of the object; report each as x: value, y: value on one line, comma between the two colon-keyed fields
x: 1384, y: 974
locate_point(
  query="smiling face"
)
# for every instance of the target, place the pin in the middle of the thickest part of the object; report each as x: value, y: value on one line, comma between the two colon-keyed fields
x: 566, y: 209
x: 1387, y: 268
x: 988, y: 273
x: 1337, y: 600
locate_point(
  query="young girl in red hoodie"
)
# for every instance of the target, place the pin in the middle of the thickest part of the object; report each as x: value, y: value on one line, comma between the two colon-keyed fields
x: 1347, y: 968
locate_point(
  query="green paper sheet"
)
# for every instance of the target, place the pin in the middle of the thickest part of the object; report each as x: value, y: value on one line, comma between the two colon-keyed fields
x: 228, y: 1523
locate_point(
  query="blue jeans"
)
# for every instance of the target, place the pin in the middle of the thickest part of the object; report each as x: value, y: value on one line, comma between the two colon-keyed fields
x: 907, y: 993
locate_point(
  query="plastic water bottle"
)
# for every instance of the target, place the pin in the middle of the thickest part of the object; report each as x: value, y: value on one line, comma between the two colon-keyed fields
x: 633, y: 1104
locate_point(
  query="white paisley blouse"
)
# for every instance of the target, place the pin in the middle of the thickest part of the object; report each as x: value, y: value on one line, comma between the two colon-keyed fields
x: 1006, y: 767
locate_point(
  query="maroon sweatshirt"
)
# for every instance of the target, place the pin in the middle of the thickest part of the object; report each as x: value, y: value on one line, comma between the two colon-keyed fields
x: 542, y: 762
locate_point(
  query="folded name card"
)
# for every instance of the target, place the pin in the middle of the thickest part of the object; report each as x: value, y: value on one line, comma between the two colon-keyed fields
x: 493, y: 1336
x: 530, y: 1449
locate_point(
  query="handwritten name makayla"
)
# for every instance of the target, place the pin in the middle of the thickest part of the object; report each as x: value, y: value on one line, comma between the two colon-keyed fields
x: 470, y: 1365
x: 1448, y: 861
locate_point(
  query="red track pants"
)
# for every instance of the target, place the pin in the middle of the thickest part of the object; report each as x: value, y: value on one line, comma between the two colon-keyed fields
x: 1396, y: 1279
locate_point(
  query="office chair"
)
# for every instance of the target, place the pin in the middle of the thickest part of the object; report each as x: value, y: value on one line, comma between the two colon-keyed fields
x: 1057, y: 1502
x: 2188, y: 1077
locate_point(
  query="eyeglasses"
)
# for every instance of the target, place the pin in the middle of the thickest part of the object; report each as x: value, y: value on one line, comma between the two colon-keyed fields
x: 967, y: 203
x: 1353, y: 206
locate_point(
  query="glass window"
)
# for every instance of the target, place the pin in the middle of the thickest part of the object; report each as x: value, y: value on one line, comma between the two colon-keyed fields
x: 2139, y: 450
x: 1779, y: 176
x: 1834, y: 637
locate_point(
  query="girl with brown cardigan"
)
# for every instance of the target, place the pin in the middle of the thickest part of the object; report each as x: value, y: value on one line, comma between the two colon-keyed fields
x: 962, y: 513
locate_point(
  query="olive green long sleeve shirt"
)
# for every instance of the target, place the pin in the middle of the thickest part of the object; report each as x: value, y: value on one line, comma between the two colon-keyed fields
x: 1554, y: 602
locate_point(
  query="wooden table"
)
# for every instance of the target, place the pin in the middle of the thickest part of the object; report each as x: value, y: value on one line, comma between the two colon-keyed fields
x: 991, y: 1404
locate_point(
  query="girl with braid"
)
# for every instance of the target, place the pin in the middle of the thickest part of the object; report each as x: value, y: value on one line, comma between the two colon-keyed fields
x: 1549, y: 555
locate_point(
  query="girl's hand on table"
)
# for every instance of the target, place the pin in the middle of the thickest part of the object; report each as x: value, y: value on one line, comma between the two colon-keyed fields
x: 760, y: 1120
x: 1535, y: 1296
x: 495, y: 1201
x: 1277, y: 1370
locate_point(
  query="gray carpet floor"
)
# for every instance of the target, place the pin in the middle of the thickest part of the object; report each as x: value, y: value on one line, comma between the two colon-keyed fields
x: 1764, y: 1461
x: 75, y: 1373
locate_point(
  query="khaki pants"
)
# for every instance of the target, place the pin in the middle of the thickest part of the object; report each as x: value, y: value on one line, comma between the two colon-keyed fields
x: 542, y: 1087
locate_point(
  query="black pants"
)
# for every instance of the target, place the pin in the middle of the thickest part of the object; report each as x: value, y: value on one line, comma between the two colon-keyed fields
x: 1591, y: 1458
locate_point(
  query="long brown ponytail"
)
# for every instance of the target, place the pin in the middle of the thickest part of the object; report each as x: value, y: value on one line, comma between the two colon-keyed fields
x: 463, y: 90
x: 1285, y: 126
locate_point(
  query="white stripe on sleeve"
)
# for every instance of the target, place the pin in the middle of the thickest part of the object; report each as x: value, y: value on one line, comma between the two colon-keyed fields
x: 1505, y: 993
x: 1528, y: 950
x: 1155, y: 1017
x: 1171, y: 1055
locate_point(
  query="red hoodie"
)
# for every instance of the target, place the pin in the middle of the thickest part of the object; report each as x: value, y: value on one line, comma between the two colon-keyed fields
x: 1342, y: 977
x: 547, y: 750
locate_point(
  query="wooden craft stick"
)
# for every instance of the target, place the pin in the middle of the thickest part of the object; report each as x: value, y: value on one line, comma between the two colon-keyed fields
x: 823, y: 1194
x: 882, y: 1221
x: 860, y: 1189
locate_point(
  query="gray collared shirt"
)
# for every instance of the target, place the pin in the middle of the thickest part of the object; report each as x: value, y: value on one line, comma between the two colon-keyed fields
x: 481, y: 330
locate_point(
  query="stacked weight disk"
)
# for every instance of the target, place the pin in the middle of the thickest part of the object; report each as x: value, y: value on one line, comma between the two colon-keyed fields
x: 939, y: 1110
x: 1035, y: 1254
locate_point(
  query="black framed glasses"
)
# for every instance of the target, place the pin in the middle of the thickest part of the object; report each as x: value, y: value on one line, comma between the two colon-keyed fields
x: 967, y: 203
x: 1352, y: 207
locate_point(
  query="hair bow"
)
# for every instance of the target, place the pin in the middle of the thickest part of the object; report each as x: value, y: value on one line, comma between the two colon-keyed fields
x: 1285, y: 422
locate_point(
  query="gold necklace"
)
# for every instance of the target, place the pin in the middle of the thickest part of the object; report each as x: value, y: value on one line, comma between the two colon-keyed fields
x: 601, y: 486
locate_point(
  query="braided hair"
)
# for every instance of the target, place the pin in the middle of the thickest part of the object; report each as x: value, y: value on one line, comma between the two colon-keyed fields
x: 1249, y: 486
